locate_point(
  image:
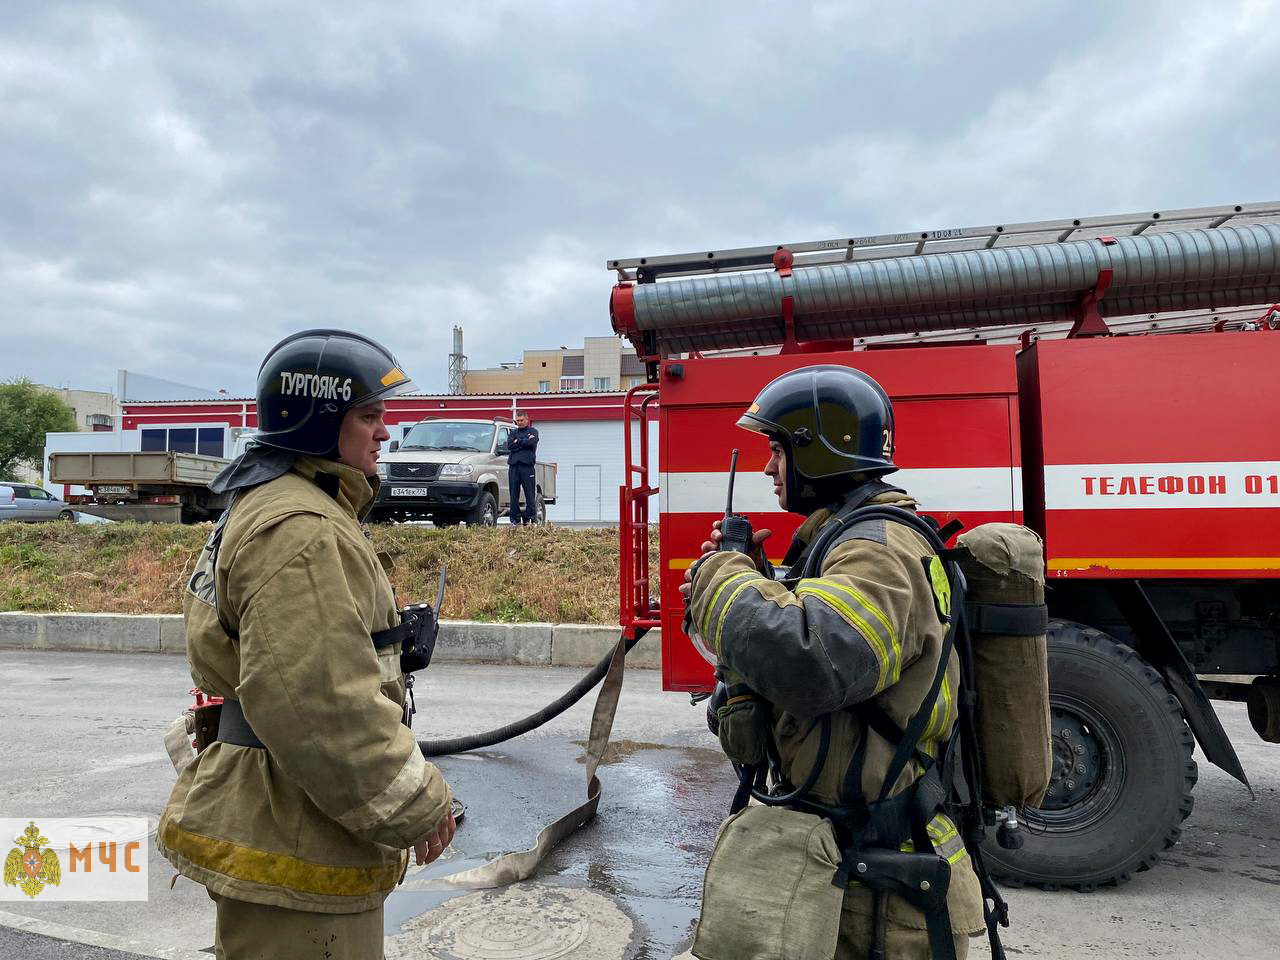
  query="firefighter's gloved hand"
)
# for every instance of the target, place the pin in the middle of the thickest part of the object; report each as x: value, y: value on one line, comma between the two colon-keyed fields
x: 712, y: 545
x: 758, y: 537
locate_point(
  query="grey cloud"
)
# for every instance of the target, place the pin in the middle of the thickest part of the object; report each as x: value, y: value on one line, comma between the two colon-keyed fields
x: 186, y: 183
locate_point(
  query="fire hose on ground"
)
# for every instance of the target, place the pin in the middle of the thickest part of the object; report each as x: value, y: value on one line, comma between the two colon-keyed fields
x: 520, y: 864
x: 478, y: 741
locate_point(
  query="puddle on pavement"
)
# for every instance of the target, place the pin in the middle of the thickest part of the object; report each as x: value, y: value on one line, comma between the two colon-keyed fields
x: 622, y: 749
x: 416, y: 896
x: 646, y: 850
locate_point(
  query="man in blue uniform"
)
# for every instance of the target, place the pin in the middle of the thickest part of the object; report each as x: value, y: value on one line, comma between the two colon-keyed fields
x: 522, y: 450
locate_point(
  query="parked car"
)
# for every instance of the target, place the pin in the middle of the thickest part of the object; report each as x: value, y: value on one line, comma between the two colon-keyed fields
x: 26, y: 501
x: 451, y: 471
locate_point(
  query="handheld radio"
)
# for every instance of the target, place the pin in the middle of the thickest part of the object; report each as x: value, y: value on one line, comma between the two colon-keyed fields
x: 424, y: 622
x: 735, y: 528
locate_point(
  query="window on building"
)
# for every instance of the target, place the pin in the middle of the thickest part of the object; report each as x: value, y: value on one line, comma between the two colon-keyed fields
x: 183, y: 440
x: 544, y: 386
x: 571, y: 383
x: 603, y: 383
x: 208, y: 441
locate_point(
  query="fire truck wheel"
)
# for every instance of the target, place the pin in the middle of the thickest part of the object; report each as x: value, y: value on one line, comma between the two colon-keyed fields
x: 1122, y: 769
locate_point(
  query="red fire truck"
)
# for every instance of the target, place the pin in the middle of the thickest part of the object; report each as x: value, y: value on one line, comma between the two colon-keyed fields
x: 1105, y: 381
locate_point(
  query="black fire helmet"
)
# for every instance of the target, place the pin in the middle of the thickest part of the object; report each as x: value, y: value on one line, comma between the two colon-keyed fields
x: 836, y: 425
x: 311, y: 379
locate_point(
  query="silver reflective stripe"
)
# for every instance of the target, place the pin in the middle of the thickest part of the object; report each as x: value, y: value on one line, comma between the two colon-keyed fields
x: 398, y: 792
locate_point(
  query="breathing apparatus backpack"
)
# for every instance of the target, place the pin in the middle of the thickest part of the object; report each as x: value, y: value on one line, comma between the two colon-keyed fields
x: 998, y: 761
x: 1006, y: 622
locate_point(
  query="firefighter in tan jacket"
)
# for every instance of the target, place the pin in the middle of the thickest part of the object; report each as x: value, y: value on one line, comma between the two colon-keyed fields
x: 298, y: 818
x: 855, y: 631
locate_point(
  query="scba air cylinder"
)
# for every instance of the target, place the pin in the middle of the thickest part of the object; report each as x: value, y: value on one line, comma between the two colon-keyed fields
x: 1003, y: 564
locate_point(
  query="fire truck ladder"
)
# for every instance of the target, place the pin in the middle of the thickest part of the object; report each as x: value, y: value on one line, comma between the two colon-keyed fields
x: 954, y: 278
x: 947, y: 240
x: 638, y: 607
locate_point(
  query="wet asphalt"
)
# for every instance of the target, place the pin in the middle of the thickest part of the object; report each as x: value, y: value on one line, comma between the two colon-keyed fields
x: 81, y: 735
x: 647, y: 847
x: 84, y: 734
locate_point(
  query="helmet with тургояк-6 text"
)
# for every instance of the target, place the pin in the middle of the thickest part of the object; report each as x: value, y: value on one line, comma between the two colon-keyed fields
x: 311, y: 379
x: 835, y: 424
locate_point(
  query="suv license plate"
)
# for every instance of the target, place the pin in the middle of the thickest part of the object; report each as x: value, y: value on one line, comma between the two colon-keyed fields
x: 404, y: 491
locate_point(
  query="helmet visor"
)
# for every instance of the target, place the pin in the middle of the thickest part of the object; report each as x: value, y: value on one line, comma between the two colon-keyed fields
x: 394, y: 390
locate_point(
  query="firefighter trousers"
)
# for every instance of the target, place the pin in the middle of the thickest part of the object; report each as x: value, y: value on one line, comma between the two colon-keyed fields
x: 254, y: 931
x: 857, y: 928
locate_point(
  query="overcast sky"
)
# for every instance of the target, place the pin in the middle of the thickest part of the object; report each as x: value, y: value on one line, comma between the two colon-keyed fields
x: 182, y: 184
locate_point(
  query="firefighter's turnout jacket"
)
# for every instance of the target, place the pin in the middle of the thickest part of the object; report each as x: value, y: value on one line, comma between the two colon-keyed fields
x: 321, y: 818
x: 865, y: 629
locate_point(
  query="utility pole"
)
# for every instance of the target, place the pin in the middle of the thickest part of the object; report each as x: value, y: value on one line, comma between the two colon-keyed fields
x: 457, y: 364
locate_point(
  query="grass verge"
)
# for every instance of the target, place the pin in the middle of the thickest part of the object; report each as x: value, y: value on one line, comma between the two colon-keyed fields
x: 519, y: 575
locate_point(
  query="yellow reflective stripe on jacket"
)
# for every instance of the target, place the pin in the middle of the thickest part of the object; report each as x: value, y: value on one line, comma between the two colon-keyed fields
x: 862, y: 600
x: 859, y: 623
x: 715, y: 597
x: 940, y: 722
x: 276, y: 869
x: 941, y: 830
x: 725, y: 610
x: 946, y: 839
x: 890, y: 635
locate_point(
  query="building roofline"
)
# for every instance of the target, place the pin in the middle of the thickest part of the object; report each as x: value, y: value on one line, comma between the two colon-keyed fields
x: 525, y: 394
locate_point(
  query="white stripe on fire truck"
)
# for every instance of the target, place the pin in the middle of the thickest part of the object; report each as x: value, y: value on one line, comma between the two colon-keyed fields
x: 952, y: 489
x: 1164, y: 486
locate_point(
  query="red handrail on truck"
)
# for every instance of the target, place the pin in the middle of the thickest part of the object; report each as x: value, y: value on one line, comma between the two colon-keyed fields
x: 637, y: 610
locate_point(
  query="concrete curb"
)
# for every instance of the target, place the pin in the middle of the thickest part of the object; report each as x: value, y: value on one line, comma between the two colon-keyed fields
x: 461, y: 641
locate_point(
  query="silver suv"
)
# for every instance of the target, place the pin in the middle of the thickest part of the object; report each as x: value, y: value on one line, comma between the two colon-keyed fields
x: 26, y: 501
x: 449, y: 471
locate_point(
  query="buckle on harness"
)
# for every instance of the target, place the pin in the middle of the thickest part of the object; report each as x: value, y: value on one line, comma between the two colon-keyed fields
x: 922, y: 879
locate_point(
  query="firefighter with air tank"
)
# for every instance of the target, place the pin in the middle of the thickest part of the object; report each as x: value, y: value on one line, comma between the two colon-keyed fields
x: 309, y: 787
x: 840, y: 697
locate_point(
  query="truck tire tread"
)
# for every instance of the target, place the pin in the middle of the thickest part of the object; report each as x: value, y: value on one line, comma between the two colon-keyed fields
x: 1102, y: 647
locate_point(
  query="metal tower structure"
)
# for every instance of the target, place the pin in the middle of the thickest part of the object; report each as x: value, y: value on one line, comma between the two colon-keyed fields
x: 457, y: 364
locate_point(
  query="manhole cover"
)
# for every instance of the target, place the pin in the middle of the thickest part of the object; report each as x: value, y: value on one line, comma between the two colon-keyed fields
x: 101, y: 828
x: 524, y: 922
